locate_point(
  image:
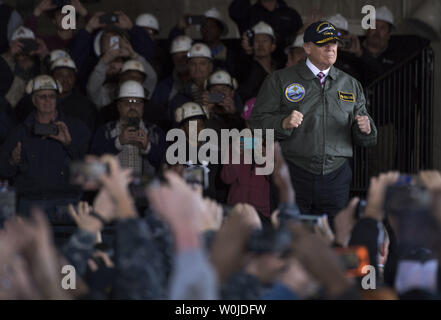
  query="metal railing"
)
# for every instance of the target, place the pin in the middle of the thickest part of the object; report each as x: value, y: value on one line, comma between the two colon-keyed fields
x: 401, y: 104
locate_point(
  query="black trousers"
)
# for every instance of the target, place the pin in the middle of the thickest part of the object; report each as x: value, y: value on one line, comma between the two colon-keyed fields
x: 320, y: 194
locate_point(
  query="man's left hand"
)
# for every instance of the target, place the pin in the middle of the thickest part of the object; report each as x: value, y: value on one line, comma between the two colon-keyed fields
x: 142, y: 139
x: 363, y: 124
x: 63, y: 133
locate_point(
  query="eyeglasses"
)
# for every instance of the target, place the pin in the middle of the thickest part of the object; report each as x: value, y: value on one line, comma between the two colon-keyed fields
x: 137, y: 102
x: 46, y: 96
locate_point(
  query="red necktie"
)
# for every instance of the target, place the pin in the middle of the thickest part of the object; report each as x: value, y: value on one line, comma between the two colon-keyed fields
x: 321, y: 77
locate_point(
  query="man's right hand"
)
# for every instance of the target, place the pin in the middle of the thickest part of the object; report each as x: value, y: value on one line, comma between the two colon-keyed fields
x: 294, y: 120
x: 94, y: 23
x: 43, y: 6
x: 128, y: 135
x: 15, y: 155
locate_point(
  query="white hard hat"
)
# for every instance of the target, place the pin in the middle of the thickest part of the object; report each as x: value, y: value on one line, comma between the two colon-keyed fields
x: 22, y: 33
x: 213, y: 13
x: 384, y: 14
x: 298, y: 43
x: 339, y: 22
x: 64, y: 63
x: 181, y: 44
x: 263, y: 28
x: 133, y: 65
x: 131, y: 89
x: 97, y: 43
x: 221, y: 77
x: 147, y: 20
x: 57, y: 54
x: 189, y: 110
x: 199, y: 50
x: 43, y: 82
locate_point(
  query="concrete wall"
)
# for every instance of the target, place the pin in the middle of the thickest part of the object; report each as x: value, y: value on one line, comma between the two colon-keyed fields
x: 169, y: 11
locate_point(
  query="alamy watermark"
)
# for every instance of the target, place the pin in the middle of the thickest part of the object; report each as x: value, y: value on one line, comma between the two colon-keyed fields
x: 245, y: 146
x: 69, y: 21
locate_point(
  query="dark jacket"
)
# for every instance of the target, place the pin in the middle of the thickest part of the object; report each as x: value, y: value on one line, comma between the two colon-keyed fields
x: 75, y: 105
x: 104, y: 142
x: 43, y: 169
x: 85, y: 58
x: 399, y: 48
x: 321, y: 144
x: 250, y: 87
x: 285, y: 21
x: 6, y: 121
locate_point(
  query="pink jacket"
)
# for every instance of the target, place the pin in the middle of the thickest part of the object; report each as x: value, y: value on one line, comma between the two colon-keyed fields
x: 247, y: 187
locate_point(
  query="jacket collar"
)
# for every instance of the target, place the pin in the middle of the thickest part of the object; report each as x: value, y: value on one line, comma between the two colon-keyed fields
x: 307, y: 74
x: 30, y: 120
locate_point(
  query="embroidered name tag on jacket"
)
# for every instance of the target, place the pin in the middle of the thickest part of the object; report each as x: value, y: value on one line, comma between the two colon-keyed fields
x: 348, y: 97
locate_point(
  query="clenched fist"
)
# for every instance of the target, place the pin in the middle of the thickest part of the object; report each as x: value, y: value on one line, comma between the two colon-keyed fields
x: 293, y: 121
x: 364, y: 124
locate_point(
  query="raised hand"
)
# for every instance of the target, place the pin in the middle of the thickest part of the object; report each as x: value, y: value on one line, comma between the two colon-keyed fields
x: 15, y: 155
x: 63, y: 133
x: 294, y: 120
x: 363, y: 124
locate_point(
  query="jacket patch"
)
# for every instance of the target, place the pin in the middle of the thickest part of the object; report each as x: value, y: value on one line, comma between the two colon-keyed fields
x: 295, y: 92
x: 348, y: 97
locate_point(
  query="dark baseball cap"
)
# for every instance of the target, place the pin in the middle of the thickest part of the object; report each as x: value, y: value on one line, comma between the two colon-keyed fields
x: 321, y: 32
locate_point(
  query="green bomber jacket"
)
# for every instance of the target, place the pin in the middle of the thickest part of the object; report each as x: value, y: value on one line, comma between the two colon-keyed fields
x: 324, y: 140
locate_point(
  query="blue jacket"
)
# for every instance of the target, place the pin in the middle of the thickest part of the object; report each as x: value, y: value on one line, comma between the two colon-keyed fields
x: 104, y: 142
x: 43, y: 169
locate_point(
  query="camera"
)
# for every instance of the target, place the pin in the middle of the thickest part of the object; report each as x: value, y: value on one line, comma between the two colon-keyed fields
x: 250, y: 35
x: 133, y: 123
x: 7, y: 202
x: 347, y: 44
x: 360, y: 208
x: 86, y: 172
x: 270, y: 241
x: 60, y: 3
x: 29, y: 45
x: 353, y: 259
x: 197, y: 174
x: 114, y: 42
x: 45, y: 129
x: 216, y: 98
x: 109, y: 18
x: 195, y: 20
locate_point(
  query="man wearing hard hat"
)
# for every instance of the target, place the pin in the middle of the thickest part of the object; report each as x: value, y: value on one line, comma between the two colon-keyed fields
x: 317, y: 112
x: 200, y: 64
x: 380, y: 52
x: 70, y: 100
x: 347, y: 59
x: 170, y: 86
x: 222, y: 102
x: 20, y: 63
x: 263, y: 44
x: 295, y: 52
x: 37, y: 153
x: 114, y: 50
x: 186, y: 115
x: 212, y: 28
x: 139, y: 145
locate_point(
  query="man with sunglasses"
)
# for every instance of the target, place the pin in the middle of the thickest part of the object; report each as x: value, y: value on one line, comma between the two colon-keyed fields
x: 38, y: 152
x: 139, y: 144
x: 317, y: 112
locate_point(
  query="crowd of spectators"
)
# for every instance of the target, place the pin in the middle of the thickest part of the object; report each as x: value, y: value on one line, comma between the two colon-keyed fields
x: 111, y: 90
